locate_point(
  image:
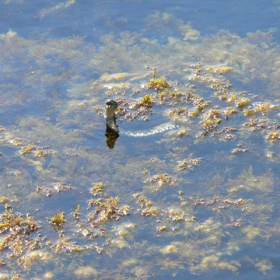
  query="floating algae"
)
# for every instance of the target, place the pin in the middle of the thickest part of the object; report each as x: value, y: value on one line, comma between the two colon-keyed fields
x: 191, y: 188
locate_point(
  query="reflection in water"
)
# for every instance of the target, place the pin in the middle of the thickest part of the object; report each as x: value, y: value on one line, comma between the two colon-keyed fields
x: 111, y: 137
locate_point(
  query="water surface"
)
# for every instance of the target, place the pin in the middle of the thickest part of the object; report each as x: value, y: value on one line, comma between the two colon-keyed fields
x: 197, y: 201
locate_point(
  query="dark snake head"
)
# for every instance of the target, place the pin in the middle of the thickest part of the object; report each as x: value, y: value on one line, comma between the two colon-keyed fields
x: 110, y: 107
x: 111, y: 104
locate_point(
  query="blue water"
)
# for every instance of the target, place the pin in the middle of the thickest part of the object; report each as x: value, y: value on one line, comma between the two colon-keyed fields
x: 37, y: 110
x: 91, y: 18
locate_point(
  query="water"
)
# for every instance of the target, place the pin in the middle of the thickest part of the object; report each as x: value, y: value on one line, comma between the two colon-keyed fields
x: 198, y: 201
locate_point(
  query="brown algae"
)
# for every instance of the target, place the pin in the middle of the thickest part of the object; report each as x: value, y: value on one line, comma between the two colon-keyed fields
x: 200, y: 96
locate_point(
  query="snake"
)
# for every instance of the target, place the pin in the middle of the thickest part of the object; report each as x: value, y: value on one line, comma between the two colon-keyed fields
x: 110, y: 116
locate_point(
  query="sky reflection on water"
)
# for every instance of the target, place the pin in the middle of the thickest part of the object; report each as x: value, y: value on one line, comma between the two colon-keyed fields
x: 198, y: 201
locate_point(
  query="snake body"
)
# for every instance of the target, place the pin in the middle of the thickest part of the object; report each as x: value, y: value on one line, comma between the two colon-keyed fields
x: 110, y: 108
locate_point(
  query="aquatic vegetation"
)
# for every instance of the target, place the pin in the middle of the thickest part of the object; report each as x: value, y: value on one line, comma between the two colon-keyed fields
x: 33, y: 257
x: 85, y: 272
x: 183, y: 132
x: 161, y: 179
x: 169, y: 249
x: 64, y: 244
x: 3, y: 199
x: 146, y: 101
x: 147, y: 208
x: 9, y: 220
x: 161, y: 228
x: 262, y: 265
x: 211, y: 119
x: 60, y: 152
x: 76, y: 212
x: 178, y: 111
x: 273, y: 136
x: 213, y: 261
x: 48, y: 275
x: 27, y: 150
x: 259, y: 107
x: 193, y: 113
x: 16, y: 229
x: 106, y: 77
x: 117, y: 86
x: 242, y: 102
x: 58, y: 221
x: 4, y: 276
x: 36, y: 151
x: 64, y: 5
x: 229, y: 111
x: 187, y: 165
x: 96, y: 188
x: 142, y: 200
x: 249, y: 181
x: 219, y: 69
x: 158, y: 84
x: 150, y: 211
x: 251, y: 232
x: 238, y: 150
x: 106, y: 208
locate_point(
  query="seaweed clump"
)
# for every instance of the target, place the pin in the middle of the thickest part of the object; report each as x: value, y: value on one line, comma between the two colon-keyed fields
x: 27, y: 150
x: 147, y: 208
x: 58, y: 221
x: 31, y: 257
x: 158, y: 84
x: 32, y: 149
x: 273, y: 136
x: 259, y: 108
x: 106, y: 208
x: 96, y: 188
x: 17, y: 228
x: 64, y: 244
x: 219, y: 69
x: 144, y: 102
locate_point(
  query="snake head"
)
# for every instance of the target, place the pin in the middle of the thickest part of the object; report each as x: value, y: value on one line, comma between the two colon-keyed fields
x: 111, y: 104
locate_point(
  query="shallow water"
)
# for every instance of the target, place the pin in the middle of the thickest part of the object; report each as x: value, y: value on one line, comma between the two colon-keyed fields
x: 197, y: 201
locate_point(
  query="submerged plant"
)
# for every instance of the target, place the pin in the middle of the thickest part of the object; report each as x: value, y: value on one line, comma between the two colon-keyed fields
x: 242, y: 102
x: 273, y: 136
x: 58, y: 221
x: 16, y: 229
x: 158, y: 84
x: 144, y: 103
x: 28, y: 149
x: 96, y: 188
